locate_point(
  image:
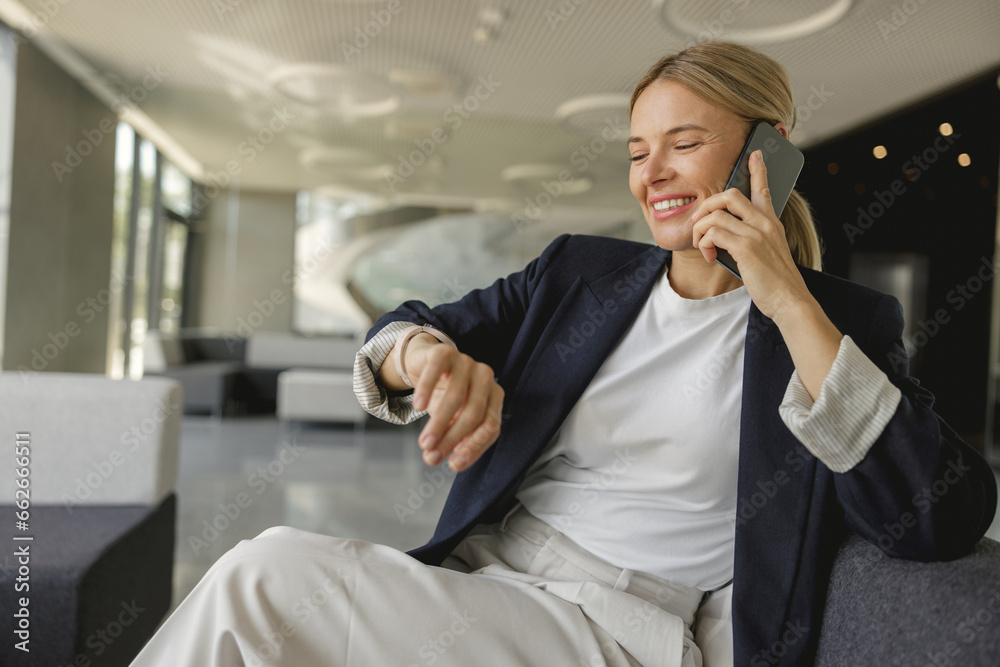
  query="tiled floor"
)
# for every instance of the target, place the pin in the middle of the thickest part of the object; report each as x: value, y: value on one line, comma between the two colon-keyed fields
x: 239, y: 477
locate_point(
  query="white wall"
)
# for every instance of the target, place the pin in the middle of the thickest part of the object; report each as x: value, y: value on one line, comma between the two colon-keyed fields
x: 245, y: 262
x: 59, y: 252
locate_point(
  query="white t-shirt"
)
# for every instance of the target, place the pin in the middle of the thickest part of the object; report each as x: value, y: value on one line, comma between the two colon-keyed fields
x: 643, y: 470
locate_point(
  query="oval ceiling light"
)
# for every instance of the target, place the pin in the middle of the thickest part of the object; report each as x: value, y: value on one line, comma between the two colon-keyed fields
x: 366, y: 200
x: 604, y: 115
x: 346, y: 91
x: 497, y: 206
x: 535, y: 176
x: 726, y: 23
x: 345, y: 163
x: 425, y: 82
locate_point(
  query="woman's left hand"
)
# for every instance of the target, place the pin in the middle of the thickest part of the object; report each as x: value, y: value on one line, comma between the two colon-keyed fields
x: 755, y: 239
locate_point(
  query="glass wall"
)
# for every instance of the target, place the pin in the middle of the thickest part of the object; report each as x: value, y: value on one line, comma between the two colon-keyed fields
x: 327, y: 233
x: 150, y: 249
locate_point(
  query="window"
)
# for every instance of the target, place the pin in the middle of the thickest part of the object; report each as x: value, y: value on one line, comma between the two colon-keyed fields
x: 8, y: 69
x: 150, y: 249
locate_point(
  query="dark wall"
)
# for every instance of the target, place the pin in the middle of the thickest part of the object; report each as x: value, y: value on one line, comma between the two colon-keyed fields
x: 919, y: 199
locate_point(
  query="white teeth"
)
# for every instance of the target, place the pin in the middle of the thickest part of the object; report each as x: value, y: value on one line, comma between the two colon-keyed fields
x: 667, y: 204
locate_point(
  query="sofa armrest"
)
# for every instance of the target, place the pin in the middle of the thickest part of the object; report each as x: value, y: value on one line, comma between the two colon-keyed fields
x: 92, y: 440
x: 889, y: 611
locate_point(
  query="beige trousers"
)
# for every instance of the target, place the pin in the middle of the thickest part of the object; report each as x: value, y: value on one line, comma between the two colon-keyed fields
x: 516, y: 593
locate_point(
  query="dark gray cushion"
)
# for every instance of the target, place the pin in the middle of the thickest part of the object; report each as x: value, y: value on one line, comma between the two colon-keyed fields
x: 890, y: 611
x: 100, y: 582
x: 207, y: 385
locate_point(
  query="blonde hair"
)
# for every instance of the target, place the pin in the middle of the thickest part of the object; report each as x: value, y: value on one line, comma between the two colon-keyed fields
x: 754, y: 87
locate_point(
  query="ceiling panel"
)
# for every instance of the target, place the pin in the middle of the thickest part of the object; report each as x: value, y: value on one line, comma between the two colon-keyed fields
x: 217, y: 58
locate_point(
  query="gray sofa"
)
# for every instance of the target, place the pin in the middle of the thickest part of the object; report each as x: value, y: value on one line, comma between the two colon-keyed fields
x: 102, y: 461
x: 207, y: 366
x: 889, y: 611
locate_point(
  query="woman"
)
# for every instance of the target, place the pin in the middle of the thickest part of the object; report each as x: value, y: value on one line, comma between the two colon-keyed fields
x: 644, y: 441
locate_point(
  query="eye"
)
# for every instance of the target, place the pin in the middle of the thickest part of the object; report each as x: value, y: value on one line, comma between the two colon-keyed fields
x: 684, y: 147
x: 636, y: 158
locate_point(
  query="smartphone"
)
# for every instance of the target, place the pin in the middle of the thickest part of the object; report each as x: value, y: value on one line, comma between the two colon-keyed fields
x: 784, y: 162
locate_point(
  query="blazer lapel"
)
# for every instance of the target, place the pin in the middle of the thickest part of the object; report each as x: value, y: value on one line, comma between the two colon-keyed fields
x: 776, y: 477
x: 582, y: 332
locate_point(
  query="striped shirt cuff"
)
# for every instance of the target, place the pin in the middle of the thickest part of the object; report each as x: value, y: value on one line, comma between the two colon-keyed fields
x: 372, y: 396
x: 856, y: 401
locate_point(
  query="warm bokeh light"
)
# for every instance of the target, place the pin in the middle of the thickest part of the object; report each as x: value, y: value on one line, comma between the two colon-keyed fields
x: 945, y: 129
x: 879, y: 152
x: 832, y: 168
x: 964, y: 159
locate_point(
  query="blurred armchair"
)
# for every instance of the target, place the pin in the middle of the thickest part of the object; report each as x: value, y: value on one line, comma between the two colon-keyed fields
x: 102, y: 457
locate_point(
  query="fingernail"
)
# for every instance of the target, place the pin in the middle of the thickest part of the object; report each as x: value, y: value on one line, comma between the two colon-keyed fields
x: 432, y: 458
x: 458, y: 461
x: 428, y: 442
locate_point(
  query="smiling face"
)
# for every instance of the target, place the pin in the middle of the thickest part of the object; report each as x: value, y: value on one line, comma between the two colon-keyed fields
x: 683, y: 150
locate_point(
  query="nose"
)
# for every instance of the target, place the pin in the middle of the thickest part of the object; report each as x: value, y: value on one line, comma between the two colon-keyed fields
x: 657, y: 168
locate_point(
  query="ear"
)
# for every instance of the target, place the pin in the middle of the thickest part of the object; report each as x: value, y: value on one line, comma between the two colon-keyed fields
x: 780, y: 127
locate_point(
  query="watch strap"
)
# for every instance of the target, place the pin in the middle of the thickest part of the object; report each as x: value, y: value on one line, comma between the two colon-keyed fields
x: 404, y: 339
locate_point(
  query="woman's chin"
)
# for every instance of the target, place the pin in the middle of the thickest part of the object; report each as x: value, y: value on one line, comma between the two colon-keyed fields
x: 673, y: 242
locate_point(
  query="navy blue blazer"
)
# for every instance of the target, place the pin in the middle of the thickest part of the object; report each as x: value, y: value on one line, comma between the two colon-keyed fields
x: 920, y: 493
